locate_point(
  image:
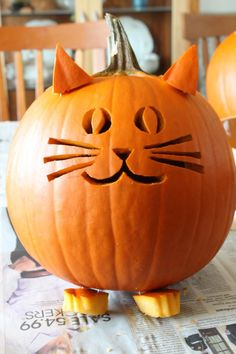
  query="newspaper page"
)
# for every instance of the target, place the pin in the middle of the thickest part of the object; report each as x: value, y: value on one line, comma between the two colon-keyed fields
x: 32, y: 320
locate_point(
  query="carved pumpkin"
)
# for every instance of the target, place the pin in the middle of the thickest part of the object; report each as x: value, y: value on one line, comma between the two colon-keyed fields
x: 221, y: 78
x: 125, y: 182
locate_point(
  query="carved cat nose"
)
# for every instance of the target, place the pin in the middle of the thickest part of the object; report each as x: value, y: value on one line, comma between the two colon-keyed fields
x: 123, y: 154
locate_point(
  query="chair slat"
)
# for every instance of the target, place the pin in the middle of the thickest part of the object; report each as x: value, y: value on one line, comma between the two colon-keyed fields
x: 72, y: 35
x: 205, y: 53
x: 98, y: 60
x: 20, y: 85
x: 87, y: 61
x: 217, y: 40
x: 4, y: 105
x: 207, y: 25
x: 39, y: 77
x: 79, y: 58
x: 14, y: 39
x: 204, y: 28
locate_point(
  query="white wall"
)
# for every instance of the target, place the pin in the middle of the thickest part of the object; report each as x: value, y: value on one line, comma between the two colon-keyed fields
x: 222, y: 6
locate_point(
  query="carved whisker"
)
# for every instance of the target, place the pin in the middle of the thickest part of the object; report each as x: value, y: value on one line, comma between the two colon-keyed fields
x: 194, y: 154
x: 71, y: 143
x: 66, y: 170
x: 183, y: 164
x: 179, y: 140
x: 65, y: 157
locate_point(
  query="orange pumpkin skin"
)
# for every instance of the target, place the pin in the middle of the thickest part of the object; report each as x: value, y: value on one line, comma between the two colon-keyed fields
x: 221, y: 78
x: 124, y: 235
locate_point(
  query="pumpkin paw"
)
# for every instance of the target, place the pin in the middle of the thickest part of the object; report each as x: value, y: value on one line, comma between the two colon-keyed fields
x: 161, y: 303
x: 86, y: 301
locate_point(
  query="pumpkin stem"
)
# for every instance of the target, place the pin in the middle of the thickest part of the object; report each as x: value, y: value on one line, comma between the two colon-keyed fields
x: 123, y: 60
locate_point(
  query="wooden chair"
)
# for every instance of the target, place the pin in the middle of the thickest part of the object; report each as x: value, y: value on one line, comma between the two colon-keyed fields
x: 77, y: 36
x: 207, y: 30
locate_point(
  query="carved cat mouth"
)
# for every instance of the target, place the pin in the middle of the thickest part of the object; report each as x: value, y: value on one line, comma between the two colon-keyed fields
x: 157, y: 154
x: 124, y: 170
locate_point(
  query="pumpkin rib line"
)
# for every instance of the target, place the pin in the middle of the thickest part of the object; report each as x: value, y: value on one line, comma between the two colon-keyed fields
x: 25, y: 197
x: 216, y: 194
x: 86, y: 240
x: 211, y: 233
x: 227, y: 226
x: 85, y: 146
x: 148, y: 278
x: 59, y: 242
x: 116, y: 277
x: 188, y: 254
x: 85, y: 204
x: 89, y: 248
x: 66, y: 263
x: 38, y: 256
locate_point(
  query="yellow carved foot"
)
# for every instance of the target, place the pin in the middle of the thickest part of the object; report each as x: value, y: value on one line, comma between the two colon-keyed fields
x: 161, y: 303
x: 86, y: 301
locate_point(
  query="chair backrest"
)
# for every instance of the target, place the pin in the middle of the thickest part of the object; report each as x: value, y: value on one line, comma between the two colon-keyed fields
x: 79, y: 37
x: 207, y: 30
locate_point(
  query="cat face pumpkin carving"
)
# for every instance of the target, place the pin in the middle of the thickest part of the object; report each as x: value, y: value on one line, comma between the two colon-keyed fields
x: 147, y: 119
x: 121, y: 180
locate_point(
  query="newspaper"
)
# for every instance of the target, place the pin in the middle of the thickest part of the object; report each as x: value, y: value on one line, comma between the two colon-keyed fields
x: 32, y: 320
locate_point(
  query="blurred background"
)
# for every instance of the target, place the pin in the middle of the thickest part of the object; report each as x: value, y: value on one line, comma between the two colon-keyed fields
x: 154, y: 27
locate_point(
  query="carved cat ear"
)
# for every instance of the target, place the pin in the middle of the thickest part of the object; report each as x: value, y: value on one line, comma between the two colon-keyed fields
x: 67, y: 75
x: 183, y: 75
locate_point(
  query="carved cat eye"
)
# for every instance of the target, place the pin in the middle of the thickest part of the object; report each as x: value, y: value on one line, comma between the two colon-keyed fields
x: 149, y: 120
x: 96, y: 121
